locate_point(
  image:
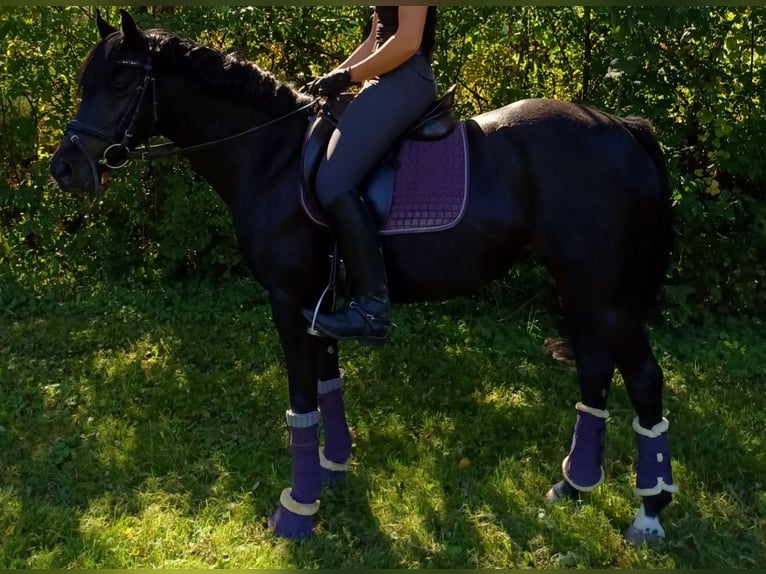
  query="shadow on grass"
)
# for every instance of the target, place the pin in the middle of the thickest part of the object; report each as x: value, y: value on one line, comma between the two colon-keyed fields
x: 173, y: 404
x: 107, y: 411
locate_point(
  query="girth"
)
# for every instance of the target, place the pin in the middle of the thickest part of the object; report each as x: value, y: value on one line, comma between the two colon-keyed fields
x: 437, y: 123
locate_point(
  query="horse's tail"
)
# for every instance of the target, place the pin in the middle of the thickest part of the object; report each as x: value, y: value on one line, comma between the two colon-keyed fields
x: 651, y: 258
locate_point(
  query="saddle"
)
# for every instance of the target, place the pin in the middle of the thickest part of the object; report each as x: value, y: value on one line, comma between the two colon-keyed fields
x: 437, y: 123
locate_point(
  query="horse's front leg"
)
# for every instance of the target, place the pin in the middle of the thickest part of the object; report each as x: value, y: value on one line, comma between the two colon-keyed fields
x: 299, y: 502
x: 334, y: 455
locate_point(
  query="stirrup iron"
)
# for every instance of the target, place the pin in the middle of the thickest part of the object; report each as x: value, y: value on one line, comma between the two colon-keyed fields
x: 311, y: 329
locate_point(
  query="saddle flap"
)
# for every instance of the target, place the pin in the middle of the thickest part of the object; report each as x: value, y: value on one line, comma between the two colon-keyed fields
x: 314, y: 145
x: 423, y: 189
x: 438, y: 122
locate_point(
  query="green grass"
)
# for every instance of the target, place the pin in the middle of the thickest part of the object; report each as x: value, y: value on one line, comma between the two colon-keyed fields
x: 145, y: 428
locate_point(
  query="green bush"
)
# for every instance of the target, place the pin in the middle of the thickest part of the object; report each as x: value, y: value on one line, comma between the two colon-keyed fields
x: 696, y: 72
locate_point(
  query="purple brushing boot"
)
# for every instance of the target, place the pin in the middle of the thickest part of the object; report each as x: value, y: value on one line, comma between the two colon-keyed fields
x: 333, y: 457
x: 582, y: 467
x: 300, y: 502
x: 653, y: 476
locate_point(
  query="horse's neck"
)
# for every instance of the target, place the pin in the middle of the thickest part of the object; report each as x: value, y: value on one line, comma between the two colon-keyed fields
x: 256, y: 160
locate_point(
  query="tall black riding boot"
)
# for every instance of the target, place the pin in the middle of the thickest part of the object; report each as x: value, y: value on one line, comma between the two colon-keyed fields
x: 367, y: 316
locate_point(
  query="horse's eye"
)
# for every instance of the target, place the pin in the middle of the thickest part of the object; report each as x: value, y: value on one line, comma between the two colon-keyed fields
x: 118, y: 85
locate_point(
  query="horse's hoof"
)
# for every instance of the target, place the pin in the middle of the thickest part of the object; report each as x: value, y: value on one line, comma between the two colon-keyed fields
x: 562, y: 491
x: 639, y: 537
x: 289, y: 525
x: 645, y: 529
x: 552, y: 496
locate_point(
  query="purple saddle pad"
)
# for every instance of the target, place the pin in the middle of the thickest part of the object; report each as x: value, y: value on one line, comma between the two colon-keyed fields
x: 430, y: 189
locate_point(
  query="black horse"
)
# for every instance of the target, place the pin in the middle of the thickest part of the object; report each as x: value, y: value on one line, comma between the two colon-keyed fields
x: 584, y: 190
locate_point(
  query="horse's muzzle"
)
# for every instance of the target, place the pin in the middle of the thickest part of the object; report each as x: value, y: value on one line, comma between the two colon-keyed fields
x: 61, y: 171
x: 74, y: 168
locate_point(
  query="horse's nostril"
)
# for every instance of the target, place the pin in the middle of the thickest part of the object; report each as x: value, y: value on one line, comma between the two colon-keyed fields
x: 61, y: 170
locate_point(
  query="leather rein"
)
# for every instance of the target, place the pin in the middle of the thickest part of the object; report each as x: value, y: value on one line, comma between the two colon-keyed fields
x: 121, y: 144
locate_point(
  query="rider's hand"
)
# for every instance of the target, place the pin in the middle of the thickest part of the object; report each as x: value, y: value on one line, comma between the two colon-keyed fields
x: 332, y: 84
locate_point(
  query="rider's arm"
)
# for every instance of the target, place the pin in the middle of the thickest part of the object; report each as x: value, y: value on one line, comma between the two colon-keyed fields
x: 365, y: 48
x: 397, y: 49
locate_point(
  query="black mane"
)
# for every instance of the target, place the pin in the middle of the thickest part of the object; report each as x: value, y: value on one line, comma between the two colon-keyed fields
x: 221, y: 75
x: 225, y: 75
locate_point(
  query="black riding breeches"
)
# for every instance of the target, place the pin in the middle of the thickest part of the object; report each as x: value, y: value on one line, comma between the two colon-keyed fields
x: 379, y: 114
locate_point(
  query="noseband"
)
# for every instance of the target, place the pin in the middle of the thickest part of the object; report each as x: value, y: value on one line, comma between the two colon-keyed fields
x: 126, y: 127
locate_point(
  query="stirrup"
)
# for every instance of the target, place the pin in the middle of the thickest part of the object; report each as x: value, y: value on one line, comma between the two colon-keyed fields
x: 311, y: 329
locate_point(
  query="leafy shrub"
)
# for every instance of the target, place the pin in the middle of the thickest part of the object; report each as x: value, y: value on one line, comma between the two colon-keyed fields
x: 697, y: 72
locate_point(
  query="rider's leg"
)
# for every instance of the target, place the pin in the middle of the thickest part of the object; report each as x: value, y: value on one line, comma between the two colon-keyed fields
x: 377, y: 116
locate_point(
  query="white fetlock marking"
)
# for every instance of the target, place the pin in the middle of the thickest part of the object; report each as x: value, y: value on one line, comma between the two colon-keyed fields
x: 328, y: 464
x: 301, y: 509
x: 648, y: 524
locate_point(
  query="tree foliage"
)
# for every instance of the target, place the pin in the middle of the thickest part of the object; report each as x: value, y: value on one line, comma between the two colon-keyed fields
x: 696, y: 72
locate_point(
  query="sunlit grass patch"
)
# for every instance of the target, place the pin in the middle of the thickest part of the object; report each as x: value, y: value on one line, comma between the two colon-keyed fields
x: 146, y: 429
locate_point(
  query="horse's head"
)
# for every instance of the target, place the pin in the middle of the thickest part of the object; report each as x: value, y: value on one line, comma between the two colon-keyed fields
x: 117, y: 110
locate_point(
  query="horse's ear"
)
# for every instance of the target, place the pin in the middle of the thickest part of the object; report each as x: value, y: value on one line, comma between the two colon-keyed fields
x: 128, y: 27
x: 104, y: 28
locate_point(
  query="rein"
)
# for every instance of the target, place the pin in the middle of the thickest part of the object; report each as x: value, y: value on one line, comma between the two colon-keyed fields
x: 148, y: 152
x: 130, y: 119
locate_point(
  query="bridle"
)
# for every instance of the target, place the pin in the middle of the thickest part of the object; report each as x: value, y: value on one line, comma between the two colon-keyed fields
x: 121, y: 143
x: 126, y: 127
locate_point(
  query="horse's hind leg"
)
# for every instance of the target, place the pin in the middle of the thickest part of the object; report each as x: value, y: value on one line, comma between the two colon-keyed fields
x: 644, y: 381
x: 582, y: 467
x: 602, y: 338
x: 334, y: 455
